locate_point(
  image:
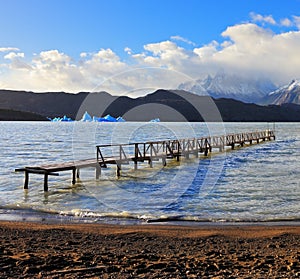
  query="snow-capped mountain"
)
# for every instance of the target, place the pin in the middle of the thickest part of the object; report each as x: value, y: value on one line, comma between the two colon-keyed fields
x: 230, y: 86
x: 289, y: 93
x: 196, y: 87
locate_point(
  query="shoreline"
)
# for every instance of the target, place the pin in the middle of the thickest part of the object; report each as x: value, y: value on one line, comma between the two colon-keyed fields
x: 72, y: 250
x: 245, y: 230
x: 21, y: 215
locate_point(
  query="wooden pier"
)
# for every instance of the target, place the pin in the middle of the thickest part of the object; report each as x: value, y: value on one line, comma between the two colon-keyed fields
x: 120, y: 154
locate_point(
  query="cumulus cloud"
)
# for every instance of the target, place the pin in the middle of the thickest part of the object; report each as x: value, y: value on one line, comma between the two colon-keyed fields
x: 207, y: 50
x: 13, y: 55
x: 260, y: 18
x: 268, y: 19
x: 246, y: 48
x: 165, y: 54
x: 7, y: 49
x: 52, y: 57
x: 83, y: 54
x: 256, y: 49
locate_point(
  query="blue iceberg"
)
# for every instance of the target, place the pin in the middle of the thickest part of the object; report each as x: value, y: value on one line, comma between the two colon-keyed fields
x: 62, y: 119
x: 107, y: 118
x: 86, y: 117
x: 155, y: 120
x: 121, y: 119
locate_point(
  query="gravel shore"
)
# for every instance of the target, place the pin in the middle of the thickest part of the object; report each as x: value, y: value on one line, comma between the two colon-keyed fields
x: 35, y: 250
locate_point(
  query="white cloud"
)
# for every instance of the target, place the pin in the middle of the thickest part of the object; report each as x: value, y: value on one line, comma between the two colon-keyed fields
x: 83, y: 54
x: 7, y: 49
x: 260, y: 18
x: 102, y: 64
x: 179, y: 38
x: 296, y: 20
x: 245, y: 48
x: 13, y: 55
x: 128, y: 50
x: 207, y: 50
x: 53, y: 57
x: 255, y: 49
x: 246, y: 37
x: 286, y: 22
x: 165, y: 53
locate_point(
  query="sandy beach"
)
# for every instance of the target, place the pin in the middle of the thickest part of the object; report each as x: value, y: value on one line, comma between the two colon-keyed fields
x: 38, y: 250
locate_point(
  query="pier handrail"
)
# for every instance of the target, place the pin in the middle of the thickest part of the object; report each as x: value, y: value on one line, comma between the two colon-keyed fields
x: 173, y: 147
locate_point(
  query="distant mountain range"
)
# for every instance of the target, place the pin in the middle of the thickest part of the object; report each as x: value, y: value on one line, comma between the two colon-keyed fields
x: 289, y: 93
x: 236, y: 87
x: 168, y: 105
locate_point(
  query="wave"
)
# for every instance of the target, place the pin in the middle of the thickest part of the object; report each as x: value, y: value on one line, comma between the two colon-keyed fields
x: 75, y: 216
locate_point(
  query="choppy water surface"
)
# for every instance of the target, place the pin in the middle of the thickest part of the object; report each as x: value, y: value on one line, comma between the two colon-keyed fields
x: 256, y: 183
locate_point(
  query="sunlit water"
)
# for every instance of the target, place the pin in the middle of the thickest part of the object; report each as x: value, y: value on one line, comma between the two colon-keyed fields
x: 255, y: 183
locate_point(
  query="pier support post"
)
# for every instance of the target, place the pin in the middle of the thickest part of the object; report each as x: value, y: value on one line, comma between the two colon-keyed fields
x: 26, y: 181
x: 150, y: 163
x: 73, y: 176
x: 164, y: 161
x: 135, y: 165
x: 206, y: 151
x: 232, y: 146
x: 46, y: 182
x: 118, y: 170
x: 78, y: 173
x: 98, y: 171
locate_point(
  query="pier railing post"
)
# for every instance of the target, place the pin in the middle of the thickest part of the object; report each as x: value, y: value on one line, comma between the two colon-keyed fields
x: 178, y: 150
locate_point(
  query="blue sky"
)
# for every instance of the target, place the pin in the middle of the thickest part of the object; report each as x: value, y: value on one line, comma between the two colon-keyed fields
x: 75, y: 45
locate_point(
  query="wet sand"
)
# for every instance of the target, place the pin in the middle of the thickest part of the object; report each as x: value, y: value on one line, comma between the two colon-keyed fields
x: 38, y: 250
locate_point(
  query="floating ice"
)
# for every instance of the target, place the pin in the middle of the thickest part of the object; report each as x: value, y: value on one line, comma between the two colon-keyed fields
x: 108, y: 118
x: 121, y: 119
x: 86, y: 117
x: 62, y: 119
x: 155, y: 120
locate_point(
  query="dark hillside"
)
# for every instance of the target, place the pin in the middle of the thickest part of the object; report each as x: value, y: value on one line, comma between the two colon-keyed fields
x: 168, y: 105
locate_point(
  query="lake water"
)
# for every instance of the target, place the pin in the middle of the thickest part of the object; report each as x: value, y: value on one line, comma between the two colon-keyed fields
x: 255, y: 183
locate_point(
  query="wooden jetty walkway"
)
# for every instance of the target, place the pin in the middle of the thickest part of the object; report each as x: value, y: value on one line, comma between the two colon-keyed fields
x: 120, y: 154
